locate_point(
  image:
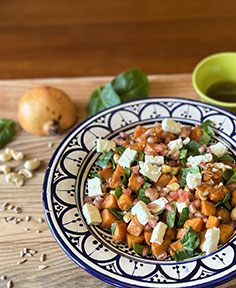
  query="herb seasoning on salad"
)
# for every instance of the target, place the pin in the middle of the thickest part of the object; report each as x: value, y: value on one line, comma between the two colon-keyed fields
x: 165, y: 191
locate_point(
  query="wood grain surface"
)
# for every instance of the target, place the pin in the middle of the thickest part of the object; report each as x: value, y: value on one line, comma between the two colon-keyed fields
x: 51, y: 38
x: 62, y: 271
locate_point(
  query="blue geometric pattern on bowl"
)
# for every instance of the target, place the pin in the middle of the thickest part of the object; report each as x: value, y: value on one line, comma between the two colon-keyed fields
x: 91, y: 247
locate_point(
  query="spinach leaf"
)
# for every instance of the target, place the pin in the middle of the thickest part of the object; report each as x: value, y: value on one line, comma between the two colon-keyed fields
x: 124, y: 180
x: 141, y: 193
x: 225, y: 201
x: 183, y: 217
x: 104, y: 158
x: 113, y: 164
x: 183, y: 154
x: 193, y: 147
x: 171, y: 216
x: 205, y: 139
x: 225, y: 157
x: 7, y: 131
x: 185, y: 171
x: 113, y: 228
x: 191, y: 239
x: 138, y: 248
x: 131, y: 84
x: 184, y: 254
x: 227, y: 174
x: 102, y: 98
x: 120, y: 149
x: 205, y: 127
x: 127, y: 172
x: 118, y: 214
x: 231, y: 180
x: 95, y: 174
x: 118, y: 192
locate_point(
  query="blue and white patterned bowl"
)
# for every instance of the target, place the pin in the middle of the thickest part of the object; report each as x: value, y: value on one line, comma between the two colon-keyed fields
x: 91, y: 247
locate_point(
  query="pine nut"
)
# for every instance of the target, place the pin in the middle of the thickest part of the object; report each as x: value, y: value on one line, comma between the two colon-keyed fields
x: 32, y: 164
x: 5, y: 169
x: 26, y: 173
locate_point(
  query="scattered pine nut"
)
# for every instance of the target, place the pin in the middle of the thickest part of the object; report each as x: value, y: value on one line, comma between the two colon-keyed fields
x: 42, y: 267
x: 10, y: 207
x: 17, y: 210
x: 9, y: 284
x: 42, y: 257
x: 21, y: 253
x: 28, y: 254
x: 25, y: 250
x: 5, y: 204
x: 27, y: 229
x: 32, y: 252
x: 40, y: 220
x: 38, y: 231
x: 4, y: 219
x: 21, y: 261
x: 27, y: 218
x: 3, y: 277
x: 50, y: 145
x: 9, y: 218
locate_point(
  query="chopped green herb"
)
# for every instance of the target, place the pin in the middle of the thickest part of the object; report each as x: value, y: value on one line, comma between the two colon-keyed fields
x: 118, y: 214
x: 183, y: 154
x: 138, y: 249
x: 231, y: 180
x: 225, y: 201
x: 127, y: 172
x: 124, y: 180
x: 104, y: 158
x: 171, y: 216
x: 193, y: 147
x: 205, y: 127
x: 205, y: 139
x: 185, y: 171
x: 113, y: 228
x: 95, y: 174
x: 228, y: 174
x: 141, y: 193
x: 191, y: 239
x: 113, y: 164
x: 118, y: 192
x: 185, y: 254
x: 120, y: 149
x: 183, y: 217
x: 225, y: 157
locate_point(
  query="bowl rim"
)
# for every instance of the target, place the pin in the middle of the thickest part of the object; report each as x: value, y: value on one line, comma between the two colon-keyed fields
x: 194, y: 82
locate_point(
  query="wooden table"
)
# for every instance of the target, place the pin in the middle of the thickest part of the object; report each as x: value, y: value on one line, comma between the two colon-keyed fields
x: 62, y: 271
x: 51, y: 38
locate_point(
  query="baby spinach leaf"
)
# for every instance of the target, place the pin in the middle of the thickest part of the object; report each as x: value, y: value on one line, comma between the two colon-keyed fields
x: 225, y: 201
x: 120, y: 149
x: 118, y: 214
x: 205, y: 127
x: 131, y: 84
x: 232, y: 179
x: 193, y: 147
x: 227, y: 174
x: 113, y: 228
x: 124, y: 180
x: 205, y: 139
x: 183, y: 217
x: 141, y: 193
x: 118, y: 192
x: 104, y: 158
x: 109, y: 97
x: 113, y: 164
x: 185, y: 254
x: 7, y: 131
x: 185, y: 171
x: 95, y: 174
x: 225, y: 157
x: 171, y: 216
x: 183, y: 154
x: 127, y: 172
x: 191, y: 239
x: 138, y: 249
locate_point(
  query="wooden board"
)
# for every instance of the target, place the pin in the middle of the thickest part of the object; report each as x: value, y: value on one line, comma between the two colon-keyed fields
x: 62, y: 271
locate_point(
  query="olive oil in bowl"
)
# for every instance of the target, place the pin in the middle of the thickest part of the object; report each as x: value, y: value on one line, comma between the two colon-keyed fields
x: 223, y: 91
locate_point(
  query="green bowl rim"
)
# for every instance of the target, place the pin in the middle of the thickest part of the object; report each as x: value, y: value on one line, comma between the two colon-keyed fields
x: 204, y: 96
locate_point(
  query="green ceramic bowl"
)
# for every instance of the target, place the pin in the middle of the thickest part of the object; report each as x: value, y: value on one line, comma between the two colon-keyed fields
x: 214, y: 68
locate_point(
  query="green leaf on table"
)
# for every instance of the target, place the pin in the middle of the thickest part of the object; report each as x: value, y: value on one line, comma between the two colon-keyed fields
x: 171, y: 216
x: 104, y: 158
x: 183, y: 217
x: 7, y: 131
x: 117, y: 213
x: 141, y: 193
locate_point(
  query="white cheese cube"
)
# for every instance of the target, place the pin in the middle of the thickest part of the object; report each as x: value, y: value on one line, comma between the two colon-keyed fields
x: 175, y: 144
x: 171, y: 126
x: 91, y: 214
x: 196, y: 160
x: 153, y: 172
x: 94, y: 187
x: 218, y: 149
x: 211, y: 242
x: 194, y: 180
x: 158, y: 233
x: 142, y: 212
x: 105, y: 145
x: 180, y: 206
x: 127, y: 157
x: 159, y: 206
x: 186, y: 141
x: 157, y: 160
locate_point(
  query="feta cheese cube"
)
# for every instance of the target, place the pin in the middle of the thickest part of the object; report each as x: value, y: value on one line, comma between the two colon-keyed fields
x: 159, y: 205
x: 158, y: 233
x: 175, y: 144
x: 194, y: 180
x: 171, y: 126
x: 149, y: 170
x: 186, y: 141
x: 105, y: 145
x: 180, y: 206
x: 211, y: 242
x: 142, y: 212
x: 157, y: 160
x: 91, y: 214
x: 127, y: 157
x: 196, y: 160
x: 218, y: 149
x: 94, y: 187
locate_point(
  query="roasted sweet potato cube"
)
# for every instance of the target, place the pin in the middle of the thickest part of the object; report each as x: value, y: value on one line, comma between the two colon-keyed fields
x: 109, y: 202
x: 125, y: 202
x: 137, y: 239
x: 208, y: 208
x: 212, y: 221
x: 135, y: 227
x: 226, y: 231
x: 107, y: 218
x: 119, y: 233
x: 195, y: 223
x: 157, y: 248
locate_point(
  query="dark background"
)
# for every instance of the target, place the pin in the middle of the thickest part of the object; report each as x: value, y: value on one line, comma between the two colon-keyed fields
x: 53, y: 38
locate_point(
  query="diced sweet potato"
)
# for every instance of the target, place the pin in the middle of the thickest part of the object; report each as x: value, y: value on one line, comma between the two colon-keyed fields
x: 196, y: 134
x: 217, y: 194
x: 142, y: 145
x: 226, y: 231
x: 180, y: 233
x: 125, y: 202
x: 109, y: 202
x: 157, y: 248
x: 224, y: 215
x: 139, y: 130
x: 147, y: 236
x: 119, y: 233
x: 177, y: 245
x: 185, y: 132
x: 169, y: 137
x: 134, y: 185
x: 202, y: 240
x: 233, y: 201
x: 137, y: 239
x: 135, y: 227
x: 164, y: 180
x: 115, y: 180
x: 173, y: 180
x: 107, y: 218
x: 106, y: 174
x: 170, y: 233
x: 208, y: 208
x: 212, y: 221
x: 133, y: 146
x: 195, y: 223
